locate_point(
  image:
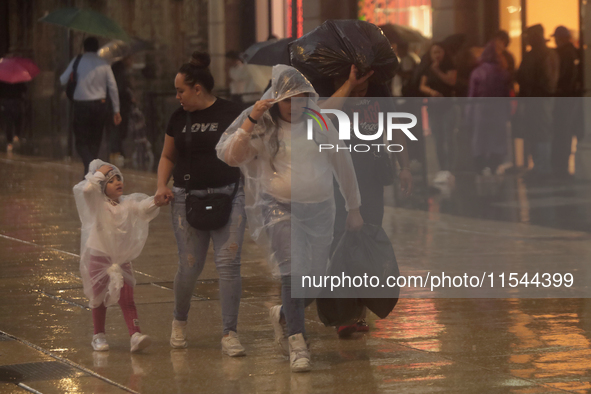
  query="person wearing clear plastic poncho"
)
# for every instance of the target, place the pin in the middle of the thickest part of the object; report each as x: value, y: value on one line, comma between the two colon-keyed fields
x: 289, y: 194
x: 114, y: 232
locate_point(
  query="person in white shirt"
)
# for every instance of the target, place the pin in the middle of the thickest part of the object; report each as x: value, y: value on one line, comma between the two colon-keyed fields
x: 94, y: 79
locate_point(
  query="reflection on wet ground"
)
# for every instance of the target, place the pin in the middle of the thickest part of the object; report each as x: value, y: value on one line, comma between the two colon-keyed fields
x: 563, y: 204
x: 424, y: 346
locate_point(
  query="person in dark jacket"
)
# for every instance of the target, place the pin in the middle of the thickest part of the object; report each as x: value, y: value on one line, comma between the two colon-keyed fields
x: 567, y: 108
x: 12, y: 103
x: 117, y: 133
x: 488, y: 120
x: 538, y: 77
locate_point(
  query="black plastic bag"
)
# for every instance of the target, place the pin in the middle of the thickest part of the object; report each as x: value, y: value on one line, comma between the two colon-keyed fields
x: 365, y: 252
x: 338, y: 311
x: 329, y: 51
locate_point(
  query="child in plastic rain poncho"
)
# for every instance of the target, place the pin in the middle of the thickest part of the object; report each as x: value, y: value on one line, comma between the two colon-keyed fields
x: 289, y: 194
x: 114, y: 231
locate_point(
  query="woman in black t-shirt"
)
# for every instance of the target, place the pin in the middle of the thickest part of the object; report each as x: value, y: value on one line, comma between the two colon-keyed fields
x: 439, y: 80
x: 194, y: 166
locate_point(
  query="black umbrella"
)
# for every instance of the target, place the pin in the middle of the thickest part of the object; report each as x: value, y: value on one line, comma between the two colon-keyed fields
x: 268, y: 53
x: 398, y: 34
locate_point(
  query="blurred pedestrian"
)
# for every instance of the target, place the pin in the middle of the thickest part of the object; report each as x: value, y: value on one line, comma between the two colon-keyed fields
x: 539, y: 70
x: 373, y: 168
x: 438, y: 82
x: 567, y: 107
x: 95, y: 78
x: 507, y: 60
x: 236, y: 76
x: 189, y: 155
x: 12, y: 107
x: 538, y: 78
x: 118, y: 133
x: 488, y: 119
x: 243, y: 82
x: 408, y: 62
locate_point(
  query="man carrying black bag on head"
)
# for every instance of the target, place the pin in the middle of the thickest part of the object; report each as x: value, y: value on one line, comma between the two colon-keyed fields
x: 93, y: 77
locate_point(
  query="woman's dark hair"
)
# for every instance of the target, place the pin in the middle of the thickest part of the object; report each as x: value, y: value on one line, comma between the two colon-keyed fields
x: 274, y: 137
x: 447, y: 62
x: 197, y: 71
x: 503, y: 36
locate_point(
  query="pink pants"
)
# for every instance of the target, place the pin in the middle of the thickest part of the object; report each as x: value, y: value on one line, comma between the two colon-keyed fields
x: 126, y: 302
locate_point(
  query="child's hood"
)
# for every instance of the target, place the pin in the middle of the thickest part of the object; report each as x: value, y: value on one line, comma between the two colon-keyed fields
x: 97, y: 163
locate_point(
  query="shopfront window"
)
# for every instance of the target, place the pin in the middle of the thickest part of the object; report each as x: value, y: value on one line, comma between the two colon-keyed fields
x: 413, y: 13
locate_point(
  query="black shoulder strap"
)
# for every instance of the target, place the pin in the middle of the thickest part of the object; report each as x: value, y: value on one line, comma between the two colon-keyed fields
x: 75, y: 67
x: 188, y: 136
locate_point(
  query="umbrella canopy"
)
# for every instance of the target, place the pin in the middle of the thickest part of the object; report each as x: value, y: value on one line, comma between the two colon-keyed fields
x: 87, y: 21
x: 116, y: 50
x: 398, y: 34
x: 17, y: 70
x: 268, y: 53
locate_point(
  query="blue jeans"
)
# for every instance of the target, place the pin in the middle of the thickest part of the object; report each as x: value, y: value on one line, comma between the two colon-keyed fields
x: 192, y: 246
x: 301, y: 246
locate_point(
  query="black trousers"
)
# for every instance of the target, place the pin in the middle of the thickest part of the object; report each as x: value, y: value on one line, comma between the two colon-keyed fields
x: 11, y: 117
x: 89, y: 121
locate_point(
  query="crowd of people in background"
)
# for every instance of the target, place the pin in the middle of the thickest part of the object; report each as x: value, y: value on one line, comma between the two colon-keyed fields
x: 547, y: 114
x: 548, y: 77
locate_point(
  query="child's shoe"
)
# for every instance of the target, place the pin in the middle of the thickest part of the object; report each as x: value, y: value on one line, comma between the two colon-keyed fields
x: 178, y: 337
x: 280, y: 330
x: 139, y: 342
x: 299, y: 354
x: 99, y: 342
x: 232, y: 346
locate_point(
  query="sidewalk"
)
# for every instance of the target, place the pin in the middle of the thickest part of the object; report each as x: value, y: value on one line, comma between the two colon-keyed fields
x: 424, y: 346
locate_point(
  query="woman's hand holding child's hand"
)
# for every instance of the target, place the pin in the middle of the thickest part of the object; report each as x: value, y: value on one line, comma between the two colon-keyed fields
x: 163, y: 196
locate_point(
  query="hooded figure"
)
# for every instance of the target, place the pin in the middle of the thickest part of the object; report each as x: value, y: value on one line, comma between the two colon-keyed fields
x: 285, y: 166
x: 488, y: 118
x: 289, y: 194
x: 113, y: 234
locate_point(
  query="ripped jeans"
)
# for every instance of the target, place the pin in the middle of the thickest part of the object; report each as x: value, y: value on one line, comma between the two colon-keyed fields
x: 192, y: 246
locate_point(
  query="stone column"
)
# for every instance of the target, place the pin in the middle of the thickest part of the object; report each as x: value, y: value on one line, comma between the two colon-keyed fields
x: 583, y: 155
x: 217, y: 40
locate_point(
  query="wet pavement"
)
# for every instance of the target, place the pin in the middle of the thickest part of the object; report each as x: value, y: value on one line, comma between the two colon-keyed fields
x: 425, y: 346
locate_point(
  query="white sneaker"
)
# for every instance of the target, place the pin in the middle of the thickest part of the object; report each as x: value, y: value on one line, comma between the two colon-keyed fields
x: 299, y: 354
x: 99, y: 342
x: 231, y: 345
x: 139, y: 342
x: 178, y: 337
x: 280, y: 330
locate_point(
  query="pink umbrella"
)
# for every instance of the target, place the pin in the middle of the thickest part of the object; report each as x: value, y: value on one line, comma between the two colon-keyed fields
x: 17, y: 69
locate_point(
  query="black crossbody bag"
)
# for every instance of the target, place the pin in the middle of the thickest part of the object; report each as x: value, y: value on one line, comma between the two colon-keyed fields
x: 210, y: 212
